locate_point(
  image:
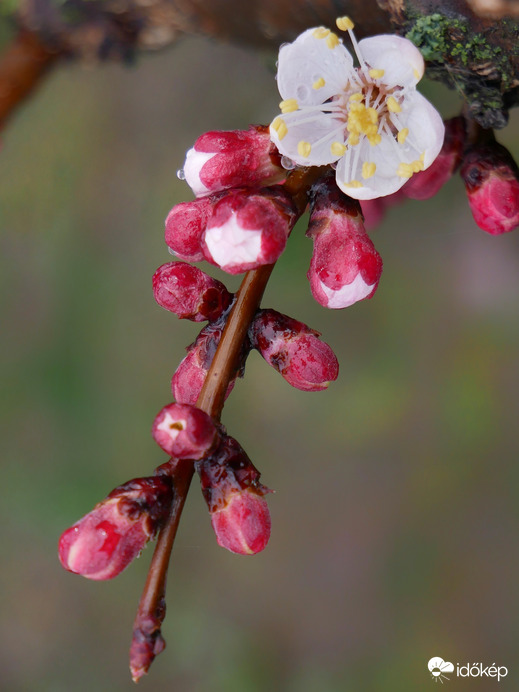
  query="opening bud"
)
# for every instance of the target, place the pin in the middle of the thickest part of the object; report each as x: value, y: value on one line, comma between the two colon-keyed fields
x: 234, y: 496
x: 294, y: 350
x: 189, y: 292
x: 248, y: 229
x: 104, y: 542
x: 491, y: 180
x: 239, y: 158
x: 345, y: 266
x: 426, y: 184
x: 184, y: 431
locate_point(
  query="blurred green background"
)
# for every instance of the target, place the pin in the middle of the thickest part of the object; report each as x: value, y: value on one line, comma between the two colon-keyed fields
x: 395, y: 518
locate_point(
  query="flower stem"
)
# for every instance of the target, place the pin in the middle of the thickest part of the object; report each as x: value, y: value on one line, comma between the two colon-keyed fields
x: 147, y: 640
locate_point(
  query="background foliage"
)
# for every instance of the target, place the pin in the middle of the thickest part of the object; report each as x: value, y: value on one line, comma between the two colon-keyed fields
x: 395, y: 513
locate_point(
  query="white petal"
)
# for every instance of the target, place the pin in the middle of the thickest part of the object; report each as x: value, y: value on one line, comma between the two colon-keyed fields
x: 348, y: 294
x: 400, y: 59
x: 318, y: 129
x: 302, y: 63
x: 195, y: 161
x: 426, y: 128
x: 230, y: 244
x: 384, y: 182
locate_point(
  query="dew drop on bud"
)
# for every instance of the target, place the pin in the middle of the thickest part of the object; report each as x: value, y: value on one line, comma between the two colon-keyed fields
x: 180, y: 174
x: 287, y: 163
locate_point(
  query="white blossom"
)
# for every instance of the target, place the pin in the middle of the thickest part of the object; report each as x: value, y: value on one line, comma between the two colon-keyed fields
x: 369, y: 120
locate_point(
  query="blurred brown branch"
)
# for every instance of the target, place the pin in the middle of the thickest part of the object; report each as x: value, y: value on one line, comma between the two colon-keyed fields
x: 119, y: 29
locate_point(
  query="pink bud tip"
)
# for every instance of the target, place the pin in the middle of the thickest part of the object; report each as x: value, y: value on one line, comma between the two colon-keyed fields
x: 243, y: 525
x: 345, y: 266
x: 189, y: 292
x: 248, y: 229
x: 184, y: 431
x: 491, y: 179
x: 239, y: 158
x: 104, y: 542
x: 294, y: 350
x: 185, y: 225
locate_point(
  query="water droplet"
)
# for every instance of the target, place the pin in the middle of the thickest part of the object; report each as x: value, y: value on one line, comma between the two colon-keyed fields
x: 180, y: 174
x: 287, y: 163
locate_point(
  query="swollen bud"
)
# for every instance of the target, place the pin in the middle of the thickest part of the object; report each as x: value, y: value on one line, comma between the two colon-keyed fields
x: 294, y: 350
x: 491, y: 180
x: 184, y: 431
x: 239, y: 158
x: 345, y: 266
x: 189, y: 292
x: 426, y: 184
x: 185, y: 225
x: 104, y: 542
x: 248, y: 228
x: 234, y: 496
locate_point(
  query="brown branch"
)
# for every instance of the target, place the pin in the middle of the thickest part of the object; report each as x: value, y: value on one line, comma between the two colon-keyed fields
x: 22, y: 66
x: 147, y: 640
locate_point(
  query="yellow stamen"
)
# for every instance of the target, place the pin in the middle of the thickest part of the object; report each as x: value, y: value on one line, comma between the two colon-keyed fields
x: 338, y: 149
x: 376, y: 74
x: 344, y: 23
x: 368, y: 169
x: 392, y: 105
x: 319, y: 83
x: 279, y: 126
x: 417, y: 75
x: 356, y: 97
x: 332, y: 40
x: 289, y: 105
x: 321, y: 32
x: 353, y: 183
x: 362, y: 121
x: 353, y: 139
x: 404, y: 170
x: 304, y: 149
x: 374, y: 139
x: 402, y: 135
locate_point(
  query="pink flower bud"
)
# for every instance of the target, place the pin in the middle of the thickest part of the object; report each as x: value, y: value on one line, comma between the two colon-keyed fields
x: 189, y: 377
x: 491, y: 179
x: 104, y: 542
x: 345, y: 266
x: 185, y: 225
x: 426, y: 184
x: 240, y: 158
x: 294, y: 350
x: 184, y: 431
x: 248, y: 229
x: 234, y: 496
x: 189, y: 292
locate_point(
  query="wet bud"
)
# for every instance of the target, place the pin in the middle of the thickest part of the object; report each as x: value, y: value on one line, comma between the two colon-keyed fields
x: 491, y: 179
x: 104, y: 542
x: 184, y: 431
x: 240, y: 158
x: 248, y: 229
x: 294, y: 350
x: 234, y: 496
x: 426, y: 184
x: 189, y: 292
x: 185, y: 225
x: 345, y: 266
x: 189, y: 377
